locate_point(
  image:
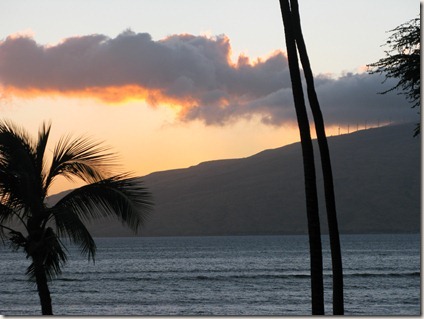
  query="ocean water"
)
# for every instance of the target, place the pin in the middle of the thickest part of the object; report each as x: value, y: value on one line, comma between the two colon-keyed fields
x: 234, y: 275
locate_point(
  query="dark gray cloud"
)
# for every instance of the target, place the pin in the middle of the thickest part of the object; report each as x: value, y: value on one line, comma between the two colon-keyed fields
x: 354, y: 98
x: 195, y: 72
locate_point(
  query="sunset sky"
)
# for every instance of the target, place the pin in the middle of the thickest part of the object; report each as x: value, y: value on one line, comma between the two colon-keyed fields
x: 169, y: 84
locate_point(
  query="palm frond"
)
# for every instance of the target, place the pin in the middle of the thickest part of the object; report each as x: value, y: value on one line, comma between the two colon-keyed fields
x: 25, y: 180
x: 17, y: 240
x: 118, y: 196
x: 8, y: 215
x: 69, y: 225
x: 52, y: 253
x: 81, y: 158
x: 19, y: 178
x: 43, y: 137
x: 16, y: 148
x: 9, y: 128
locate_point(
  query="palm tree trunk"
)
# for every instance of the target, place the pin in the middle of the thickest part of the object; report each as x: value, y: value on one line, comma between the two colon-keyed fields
x: 336, y: 257
x: 42, y: 286
x: 314, y: 232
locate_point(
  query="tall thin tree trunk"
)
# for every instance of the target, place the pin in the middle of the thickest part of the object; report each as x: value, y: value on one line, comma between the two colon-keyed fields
x: 42, y: 286
x: 333, y: 229
x: 315, y: 248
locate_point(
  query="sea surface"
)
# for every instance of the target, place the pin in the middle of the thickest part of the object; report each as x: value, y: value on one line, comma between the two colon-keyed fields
x: 234, y: 275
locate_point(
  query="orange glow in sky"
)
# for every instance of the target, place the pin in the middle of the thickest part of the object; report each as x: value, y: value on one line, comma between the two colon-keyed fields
x: 146, y: 139
x: 109, y: 94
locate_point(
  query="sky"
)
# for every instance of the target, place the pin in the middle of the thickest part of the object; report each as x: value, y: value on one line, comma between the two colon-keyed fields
x: 169, y: 84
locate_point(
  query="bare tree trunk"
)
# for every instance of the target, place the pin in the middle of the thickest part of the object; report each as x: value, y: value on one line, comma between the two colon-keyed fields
x: 315, y: 248
x: 42, y: 286
x: 333, y: 229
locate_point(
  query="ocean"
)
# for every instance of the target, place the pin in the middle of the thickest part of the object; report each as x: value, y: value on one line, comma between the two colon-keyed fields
x: 228, y: 275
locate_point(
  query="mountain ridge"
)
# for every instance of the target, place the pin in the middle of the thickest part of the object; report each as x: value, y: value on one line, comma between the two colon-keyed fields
x: 376, y: 177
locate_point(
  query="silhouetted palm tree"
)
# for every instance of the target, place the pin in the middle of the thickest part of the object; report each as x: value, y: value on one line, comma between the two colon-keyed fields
x: 25, y: 178
x: 333, y: 229
x: 317, y: 286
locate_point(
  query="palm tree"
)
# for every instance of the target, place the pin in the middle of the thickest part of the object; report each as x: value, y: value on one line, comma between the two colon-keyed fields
x: 25, y: 178
x: 333, y: 229
x: 314, y: 232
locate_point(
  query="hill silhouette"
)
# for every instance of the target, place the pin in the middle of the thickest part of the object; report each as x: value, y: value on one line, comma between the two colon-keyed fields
x: 376, y: 177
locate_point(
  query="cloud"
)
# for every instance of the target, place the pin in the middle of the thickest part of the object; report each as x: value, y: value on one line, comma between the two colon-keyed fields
x: 354, y: 98
x: 194, y: 73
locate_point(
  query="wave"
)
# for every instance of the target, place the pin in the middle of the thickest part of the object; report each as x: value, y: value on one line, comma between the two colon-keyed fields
x: 69, y: 279
x: 392, y: 274
x: 301, y: 276
x: 252, y: 276
x: 214, y: 276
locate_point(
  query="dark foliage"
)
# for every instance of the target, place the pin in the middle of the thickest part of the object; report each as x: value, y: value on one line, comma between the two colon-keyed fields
x: 25, y: 178
x: 402, y: 62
